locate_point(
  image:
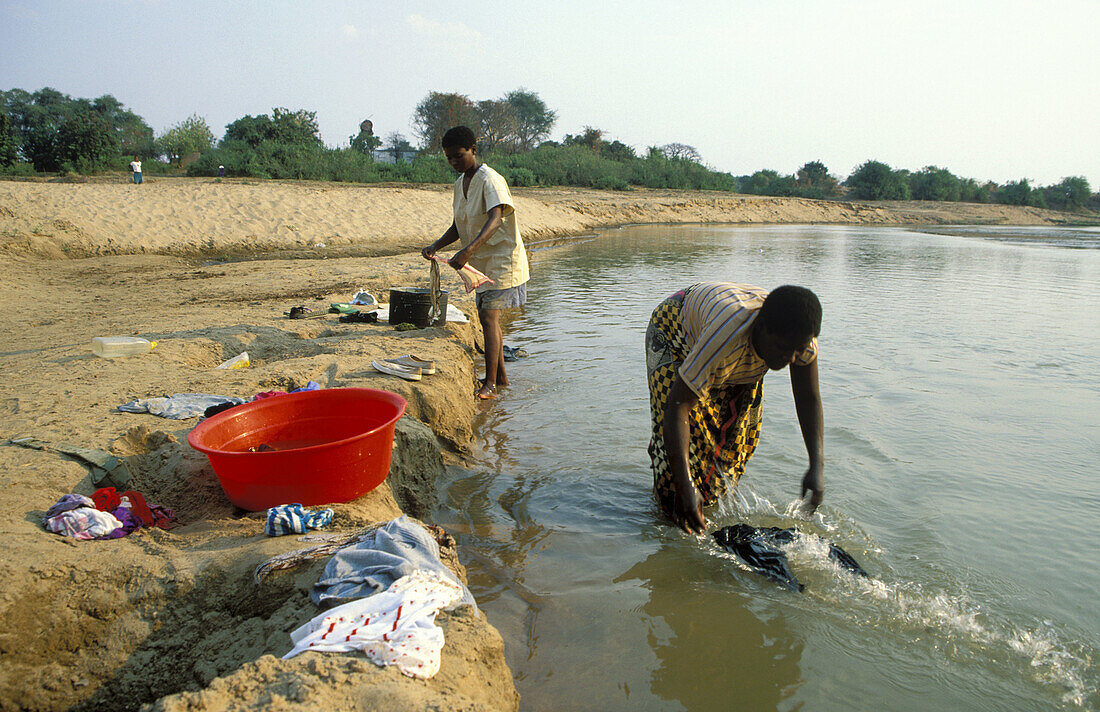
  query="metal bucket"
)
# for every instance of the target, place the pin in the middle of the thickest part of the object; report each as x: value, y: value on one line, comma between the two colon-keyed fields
x: 413, y: 304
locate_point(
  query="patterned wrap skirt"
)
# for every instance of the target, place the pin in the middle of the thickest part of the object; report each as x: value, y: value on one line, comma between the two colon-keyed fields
x: 724, y: 425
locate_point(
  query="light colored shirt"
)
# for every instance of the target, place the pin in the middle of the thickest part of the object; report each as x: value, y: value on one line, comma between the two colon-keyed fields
x: 716, y: 324
x: 135, y: 166
x: 503, y: 257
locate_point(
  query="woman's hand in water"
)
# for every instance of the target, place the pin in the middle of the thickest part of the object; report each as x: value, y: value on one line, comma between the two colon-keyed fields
x: 688, y: 510
x: 813, y: 482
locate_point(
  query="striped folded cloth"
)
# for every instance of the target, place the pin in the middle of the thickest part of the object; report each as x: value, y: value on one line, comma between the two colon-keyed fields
x: 292, y: 519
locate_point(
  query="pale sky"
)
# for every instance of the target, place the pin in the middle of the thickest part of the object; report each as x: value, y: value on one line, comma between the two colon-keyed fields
x: 992, y: 90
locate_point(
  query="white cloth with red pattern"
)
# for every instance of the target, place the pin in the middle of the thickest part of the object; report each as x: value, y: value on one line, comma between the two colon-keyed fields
x: 393, y: 627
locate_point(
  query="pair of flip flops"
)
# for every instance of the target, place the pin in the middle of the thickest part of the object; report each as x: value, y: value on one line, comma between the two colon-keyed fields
x: 513, y: 353
x: 301, y: 312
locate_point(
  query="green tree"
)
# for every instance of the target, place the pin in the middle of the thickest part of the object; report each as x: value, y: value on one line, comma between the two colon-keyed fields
x: 932, y: 183
x: 1072, y: 193
x: 397, y: 146
x: 619, y: 151
x: 534, y: 120
x: 592, y: 138
x: 365, y: 141
x: 813, y: 181
x: 971, y: 192
x: 86, y: 141
x: 134, y: 136
x: 295, y: 127
x: 438, y: 113
x: 36, y: 118
x: 249, y: 130
x: 875, y: 180
x: 769, y: 182
x: 811, y: 174
x: 1015, y: 193
x: 681, y: 152
x: 291, y: 128
x: 497, y: 126
x: 9, y: 142
x: 190, y: 136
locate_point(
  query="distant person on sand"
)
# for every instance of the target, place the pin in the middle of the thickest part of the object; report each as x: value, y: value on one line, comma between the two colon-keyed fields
x: 485, y: 223
x: 707, y: 350
x: 135, y: 166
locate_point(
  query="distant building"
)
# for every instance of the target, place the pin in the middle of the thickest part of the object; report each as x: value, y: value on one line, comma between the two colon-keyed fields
x: 388, y: 155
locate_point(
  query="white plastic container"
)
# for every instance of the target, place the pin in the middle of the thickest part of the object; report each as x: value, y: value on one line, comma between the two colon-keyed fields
x: 238, y: 361
x: 112, y: 346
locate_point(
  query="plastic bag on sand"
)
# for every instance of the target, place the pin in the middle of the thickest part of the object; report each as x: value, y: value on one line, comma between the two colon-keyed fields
x: 364, y: 298
x: 238, y: 361
x: 471, y: 277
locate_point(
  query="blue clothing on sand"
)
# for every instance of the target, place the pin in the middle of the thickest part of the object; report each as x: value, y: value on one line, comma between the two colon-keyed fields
x: 292, y: 519
x: 380, y: 557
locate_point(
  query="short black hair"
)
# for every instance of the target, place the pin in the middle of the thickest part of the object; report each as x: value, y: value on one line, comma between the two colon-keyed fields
x: 791, y: 311
x: 459, y: 137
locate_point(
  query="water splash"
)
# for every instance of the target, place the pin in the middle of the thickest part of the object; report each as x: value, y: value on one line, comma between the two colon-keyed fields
x: 951, y: 622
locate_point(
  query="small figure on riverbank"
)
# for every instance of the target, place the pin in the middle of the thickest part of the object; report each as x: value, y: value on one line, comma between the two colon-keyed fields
x: 135, y: 167
x: 485, y: 224
x: 707, y: 350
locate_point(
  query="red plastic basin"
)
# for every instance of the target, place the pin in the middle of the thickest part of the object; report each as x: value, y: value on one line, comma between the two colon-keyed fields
x: 330, y: 445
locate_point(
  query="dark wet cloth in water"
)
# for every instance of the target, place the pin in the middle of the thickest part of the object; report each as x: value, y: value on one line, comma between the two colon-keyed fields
x: 759, y: 548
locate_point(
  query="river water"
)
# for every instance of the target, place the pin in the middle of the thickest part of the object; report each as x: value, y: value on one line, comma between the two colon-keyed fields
x: 960, y: 375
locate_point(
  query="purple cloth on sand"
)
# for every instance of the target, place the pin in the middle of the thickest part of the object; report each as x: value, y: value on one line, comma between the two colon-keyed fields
x: 130, y: 523
x: 67, y: 503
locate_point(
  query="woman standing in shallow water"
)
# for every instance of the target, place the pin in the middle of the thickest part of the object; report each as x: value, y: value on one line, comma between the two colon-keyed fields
x: 485, y: 224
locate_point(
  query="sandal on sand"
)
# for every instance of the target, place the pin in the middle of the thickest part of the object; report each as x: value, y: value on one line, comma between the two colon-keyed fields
x: 359, y: 318
x: 426, y: 367
x: 396, y: 369
x: 486, y: 396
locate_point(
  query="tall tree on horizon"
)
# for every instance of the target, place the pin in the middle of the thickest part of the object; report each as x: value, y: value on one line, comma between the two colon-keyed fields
x: 192, y: 135
x: 134, y: 136
x: 681, y: 152
x: 534, y: 119
x: 9, y: 142
x: 439, y: 112
x: 497, y: 126
x: 396, y: 144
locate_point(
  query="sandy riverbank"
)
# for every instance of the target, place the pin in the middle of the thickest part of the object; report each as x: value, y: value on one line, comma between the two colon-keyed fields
x: 196, y: 217
x: 173, y: 619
